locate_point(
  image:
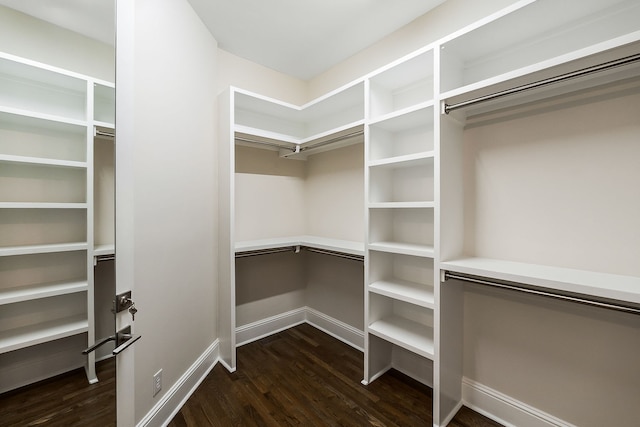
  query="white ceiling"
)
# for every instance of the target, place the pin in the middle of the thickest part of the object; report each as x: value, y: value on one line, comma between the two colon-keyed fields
x: 301, y: 38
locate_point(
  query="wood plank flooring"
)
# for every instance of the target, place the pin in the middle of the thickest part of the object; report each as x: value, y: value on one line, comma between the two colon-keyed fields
x: 300, y: 376
x: 305, y: 377
x: 64, y: 400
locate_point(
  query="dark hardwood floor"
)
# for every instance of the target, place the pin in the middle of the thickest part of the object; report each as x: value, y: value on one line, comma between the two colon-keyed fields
x: 305, y: 377
x: 64, y: 400
x: 300, y: 376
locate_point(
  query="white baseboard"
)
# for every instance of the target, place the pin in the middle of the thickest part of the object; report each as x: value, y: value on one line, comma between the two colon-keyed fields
x: 505, y: 409
x: 269, y: 326
x: 337, y: 329
x: 171, y: 402
x: 263, y: 328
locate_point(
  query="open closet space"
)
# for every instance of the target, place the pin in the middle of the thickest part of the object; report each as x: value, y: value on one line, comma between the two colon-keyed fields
x: 297, y: 230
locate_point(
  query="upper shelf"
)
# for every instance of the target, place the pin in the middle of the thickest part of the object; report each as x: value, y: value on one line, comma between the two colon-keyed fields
x: 402, y: 85
x: 27, y: 86
x: 589, y: 283
x: 565, y: 37
x: 104, y: 104
x: 299, y: 124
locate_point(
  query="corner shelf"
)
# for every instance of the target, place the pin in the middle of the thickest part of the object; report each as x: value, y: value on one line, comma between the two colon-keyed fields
x: 344, y: 246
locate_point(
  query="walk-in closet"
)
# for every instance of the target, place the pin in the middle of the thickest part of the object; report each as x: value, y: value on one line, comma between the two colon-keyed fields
x: 452, y: 208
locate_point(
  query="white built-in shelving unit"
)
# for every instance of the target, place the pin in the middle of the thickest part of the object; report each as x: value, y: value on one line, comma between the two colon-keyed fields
x: 426, y: 210
x: 500, y: 53
x: 400, y: 201
x: 294, y: 132
x: 47, y: 119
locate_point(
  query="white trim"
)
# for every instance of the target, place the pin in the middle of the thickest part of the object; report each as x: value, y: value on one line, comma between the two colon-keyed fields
x: 172, y: 401
x: 346, y: 333
x: 262, y: 328
x: 505, y: 409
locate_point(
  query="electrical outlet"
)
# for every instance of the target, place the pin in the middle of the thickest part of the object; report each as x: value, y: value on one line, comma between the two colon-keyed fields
x: 157, y: 382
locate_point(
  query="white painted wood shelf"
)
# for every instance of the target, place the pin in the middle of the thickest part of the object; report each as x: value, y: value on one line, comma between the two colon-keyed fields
x: 589, y: 283
x: 401, y: 205
x: 41, y: 290
x: 105, y: 249
x: 42, y: 249
x: 15, y: 339
x: 407, y: 160
x: 41, y: 205
x: 344, y: 246
x: 44, y: 117
x: 403, y: 248
x: 47, y: 121
x: 42, y: 161
x: 405, y: 333
x: 404, y: 290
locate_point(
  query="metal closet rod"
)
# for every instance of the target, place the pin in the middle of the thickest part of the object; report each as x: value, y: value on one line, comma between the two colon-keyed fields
x: 298, y: 148
x: 545, y: 82
x: 103, y: 133
x: 257, y: 252
x: 296, y: 249
x: 563, y: 297
x: 336, y: 253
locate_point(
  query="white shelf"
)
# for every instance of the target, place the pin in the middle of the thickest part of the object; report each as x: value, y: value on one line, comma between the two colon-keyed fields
x: 45, y: 90
x: 42, y: 249
x: 44, y: 205
x: 401, y: 205
x: 345, y: 246
x: 338, y: 109
x: 107, y: 125
x: 404, y: 114
x: 407, y: 160
x: 44, y: 290
x: 42, y: 161
x: 403, y: 290
x: 246, y: 133
x: 405, y: 84
x: 589, y: 283
x: 401, y: 121
x: 578, y: 29
x: 107, y: 249
x: 18, y: 338
x: 41, y: 116
x: 407, y: 334
x: 403, y: 248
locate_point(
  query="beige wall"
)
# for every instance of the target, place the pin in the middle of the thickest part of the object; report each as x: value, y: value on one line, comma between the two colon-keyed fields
x: 334, y: 194
x: 450, y: 16
x: 244, y: 74
x: 28, y: 37
x: 166, y: 194
x: 557, y: 187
